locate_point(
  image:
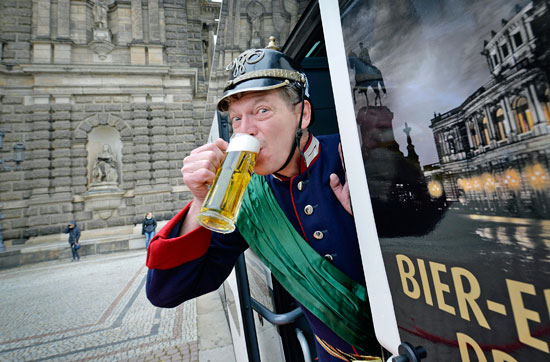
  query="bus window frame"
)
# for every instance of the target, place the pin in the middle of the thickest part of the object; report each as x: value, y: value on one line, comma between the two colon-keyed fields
x: 380, y: 298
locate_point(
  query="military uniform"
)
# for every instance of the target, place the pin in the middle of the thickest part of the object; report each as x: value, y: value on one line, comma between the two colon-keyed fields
x: 188, y: 266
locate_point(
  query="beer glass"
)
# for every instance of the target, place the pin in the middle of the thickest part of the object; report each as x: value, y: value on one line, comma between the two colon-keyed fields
x: 221, y: 207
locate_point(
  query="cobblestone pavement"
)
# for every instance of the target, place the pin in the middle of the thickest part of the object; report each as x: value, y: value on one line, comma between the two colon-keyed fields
x: 92, y: 310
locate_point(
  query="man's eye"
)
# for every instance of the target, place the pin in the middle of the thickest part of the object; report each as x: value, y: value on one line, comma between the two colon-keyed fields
x: 235, y: 119
x: 262, y: 110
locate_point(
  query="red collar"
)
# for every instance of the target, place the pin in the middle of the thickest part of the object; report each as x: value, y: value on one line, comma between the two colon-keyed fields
x: 311, y: 153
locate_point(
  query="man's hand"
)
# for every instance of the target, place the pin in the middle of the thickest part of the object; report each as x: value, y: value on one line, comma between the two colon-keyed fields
x: 199, y: 168
x: 341, y: 191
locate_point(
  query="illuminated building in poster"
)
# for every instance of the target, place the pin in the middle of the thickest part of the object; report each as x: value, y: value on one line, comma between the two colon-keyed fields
x: 494, y: 148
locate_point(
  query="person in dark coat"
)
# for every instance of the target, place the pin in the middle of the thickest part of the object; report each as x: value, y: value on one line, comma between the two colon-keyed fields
x: 74, y: 236
x: 148, y: 228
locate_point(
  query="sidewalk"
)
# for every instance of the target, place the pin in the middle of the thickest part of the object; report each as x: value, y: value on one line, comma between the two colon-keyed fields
x: 96, y: 310
x: 56, y: 247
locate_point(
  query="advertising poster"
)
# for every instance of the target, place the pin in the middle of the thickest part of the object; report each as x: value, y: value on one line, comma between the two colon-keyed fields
x: 452, y: 103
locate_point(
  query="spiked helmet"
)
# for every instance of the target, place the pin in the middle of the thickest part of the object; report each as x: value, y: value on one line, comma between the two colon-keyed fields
x: 259, y: 70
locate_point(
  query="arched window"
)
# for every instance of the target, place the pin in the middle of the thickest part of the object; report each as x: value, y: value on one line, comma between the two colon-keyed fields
x: 523, y: 115
x: 451, y: 144
x: 499, y: 118
x: 484, y: 128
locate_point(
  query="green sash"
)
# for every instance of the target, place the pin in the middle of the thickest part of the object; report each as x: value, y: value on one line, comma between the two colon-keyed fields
x: 333, y: 297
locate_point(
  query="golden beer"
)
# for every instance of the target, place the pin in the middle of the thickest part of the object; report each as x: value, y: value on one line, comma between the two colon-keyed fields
x: 221, y: 207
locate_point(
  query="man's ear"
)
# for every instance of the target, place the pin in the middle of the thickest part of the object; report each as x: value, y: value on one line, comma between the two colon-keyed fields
x: 306, y: 119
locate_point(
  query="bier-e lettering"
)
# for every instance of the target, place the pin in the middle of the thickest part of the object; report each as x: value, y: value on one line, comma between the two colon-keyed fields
x: 465, y: 287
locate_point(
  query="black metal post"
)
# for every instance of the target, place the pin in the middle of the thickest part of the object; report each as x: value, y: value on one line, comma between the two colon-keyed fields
x: 249, y: 328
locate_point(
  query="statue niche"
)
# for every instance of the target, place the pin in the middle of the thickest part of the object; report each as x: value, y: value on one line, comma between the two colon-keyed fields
x: 105, y: 171
x: 104, y: 196
x: 255, y: 11
x: 101, y: 27
x: 100, y: 15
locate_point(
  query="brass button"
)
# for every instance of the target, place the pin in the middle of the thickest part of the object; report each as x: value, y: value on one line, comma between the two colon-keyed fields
x: 318, y: 235
x: 329, y: 257
x: 308, y: 210
x: 301, y: 185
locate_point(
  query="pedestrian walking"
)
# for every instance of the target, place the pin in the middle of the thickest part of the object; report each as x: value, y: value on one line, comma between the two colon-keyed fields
x: 148, y: 228
x: 74, y: 237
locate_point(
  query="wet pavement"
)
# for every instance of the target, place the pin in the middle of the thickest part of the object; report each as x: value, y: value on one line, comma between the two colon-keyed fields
x: 96, y: 310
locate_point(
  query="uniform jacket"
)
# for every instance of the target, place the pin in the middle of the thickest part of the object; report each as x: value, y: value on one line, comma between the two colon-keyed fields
x: 198, y: 262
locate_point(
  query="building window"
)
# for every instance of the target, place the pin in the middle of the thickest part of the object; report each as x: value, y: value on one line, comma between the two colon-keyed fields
x: 504, y: 50
x: 499, y: 118
x: 451, y: 144
x: 518, y: 40
x: 523, y: 115
x: 494, y: 57
x: 484, y: 129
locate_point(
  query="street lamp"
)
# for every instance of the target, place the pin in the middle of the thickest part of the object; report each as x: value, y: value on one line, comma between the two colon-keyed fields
x: 18, y: 149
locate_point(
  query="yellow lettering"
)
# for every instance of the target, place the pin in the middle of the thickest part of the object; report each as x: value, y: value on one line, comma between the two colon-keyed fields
x: 463, y: 342
x: 425, y: 283
x: 409, y: 275
x: 440, y: 288
x: 464, y: 298
x: 522, y: 314
x: 499, y: 356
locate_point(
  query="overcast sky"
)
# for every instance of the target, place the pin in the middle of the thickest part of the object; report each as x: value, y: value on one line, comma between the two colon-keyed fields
x: 429, y: 54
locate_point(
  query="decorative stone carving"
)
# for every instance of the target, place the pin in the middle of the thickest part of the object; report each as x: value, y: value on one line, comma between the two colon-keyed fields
x: 255, y: 10
x: 104, y: 171
x: 101, y: 43
x: 100, y: 14
x: 104, y: 196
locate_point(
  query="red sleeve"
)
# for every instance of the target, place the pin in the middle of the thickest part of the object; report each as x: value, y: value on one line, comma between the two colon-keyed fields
x: 166, y: 253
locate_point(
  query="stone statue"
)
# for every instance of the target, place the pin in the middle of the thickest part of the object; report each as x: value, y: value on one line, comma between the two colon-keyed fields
x: 364, y: 54
x: 104, y: 170
x: 100, y: 14
x: 255, y: 11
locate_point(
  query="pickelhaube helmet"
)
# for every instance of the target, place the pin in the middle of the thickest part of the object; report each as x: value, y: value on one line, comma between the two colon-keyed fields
x: 262, y: 69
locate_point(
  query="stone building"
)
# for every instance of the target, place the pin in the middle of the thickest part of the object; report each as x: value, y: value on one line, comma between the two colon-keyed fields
x: 247, y: 24
x: 107, y: 97
x: 494, y: 148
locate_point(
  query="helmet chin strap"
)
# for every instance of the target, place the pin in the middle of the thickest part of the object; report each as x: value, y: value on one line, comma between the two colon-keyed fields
x: 296, y: 143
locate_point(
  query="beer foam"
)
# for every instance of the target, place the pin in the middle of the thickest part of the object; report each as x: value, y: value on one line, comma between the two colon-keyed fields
x: 243, y: 142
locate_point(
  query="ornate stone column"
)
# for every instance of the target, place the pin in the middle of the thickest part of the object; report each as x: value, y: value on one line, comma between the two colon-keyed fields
x: 507, y: 122
x: 510, y: 115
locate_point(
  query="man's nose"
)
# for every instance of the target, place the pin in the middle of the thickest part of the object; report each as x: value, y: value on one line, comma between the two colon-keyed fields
x: 248, y: 125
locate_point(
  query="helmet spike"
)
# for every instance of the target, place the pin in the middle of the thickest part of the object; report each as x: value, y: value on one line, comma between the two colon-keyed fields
x: 272, y: 44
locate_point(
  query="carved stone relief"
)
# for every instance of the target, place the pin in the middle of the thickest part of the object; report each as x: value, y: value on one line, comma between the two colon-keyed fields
x: 255, y: 11
x: 101, y: 43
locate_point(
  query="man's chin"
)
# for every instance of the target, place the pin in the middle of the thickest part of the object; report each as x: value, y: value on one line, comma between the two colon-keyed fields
x: 261, y: 170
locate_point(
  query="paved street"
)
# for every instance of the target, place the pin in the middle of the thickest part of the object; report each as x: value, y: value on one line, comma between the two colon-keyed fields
x: 92, y: 310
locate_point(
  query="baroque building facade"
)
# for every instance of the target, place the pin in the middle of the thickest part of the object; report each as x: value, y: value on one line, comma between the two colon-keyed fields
x: 107, y: 97
x: 248, y: 24
x: 493, y: 148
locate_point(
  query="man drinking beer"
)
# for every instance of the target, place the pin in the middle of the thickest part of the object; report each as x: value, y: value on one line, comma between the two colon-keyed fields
x: 295, y: 215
